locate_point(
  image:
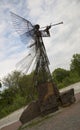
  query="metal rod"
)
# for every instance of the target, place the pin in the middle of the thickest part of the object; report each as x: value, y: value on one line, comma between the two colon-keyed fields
x: 53, y: 24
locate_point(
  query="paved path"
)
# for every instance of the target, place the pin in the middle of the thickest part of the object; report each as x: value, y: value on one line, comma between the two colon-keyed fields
x: 13, y: 119
x: 76, y: 87
x: 66, y: 119
x: 13, y: 126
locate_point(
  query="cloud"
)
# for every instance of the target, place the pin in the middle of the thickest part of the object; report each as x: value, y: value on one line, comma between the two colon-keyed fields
x: 64, y: 40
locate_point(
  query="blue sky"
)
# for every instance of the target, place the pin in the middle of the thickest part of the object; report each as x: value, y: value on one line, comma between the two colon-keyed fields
x: 64, y: 40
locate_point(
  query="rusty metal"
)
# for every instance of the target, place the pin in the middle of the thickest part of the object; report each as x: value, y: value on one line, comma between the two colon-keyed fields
x: 49, y: 97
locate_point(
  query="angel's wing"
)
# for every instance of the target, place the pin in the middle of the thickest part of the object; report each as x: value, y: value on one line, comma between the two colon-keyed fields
x: 25, y: 64
x: 23, y: 27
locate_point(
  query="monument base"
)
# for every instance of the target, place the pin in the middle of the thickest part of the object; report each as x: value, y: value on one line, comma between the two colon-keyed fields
x: 50, y: 105
x: 36, y: 109
x: 30, y: 112
x: 67, y: 97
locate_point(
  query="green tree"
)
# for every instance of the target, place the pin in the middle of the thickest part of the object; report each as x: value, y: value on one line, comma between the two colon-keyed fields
x: 7, y: 97
x: 75, y: 63
x: 21, y: 84
x: 0, y: 85
x: 27, y: 86
x: 60, y: 74
x: 12, y: 80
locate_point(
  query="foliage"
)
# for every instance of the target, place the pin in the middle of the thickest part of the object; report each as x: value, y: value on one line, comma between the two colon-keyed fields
x: 6, y: 109
x: 20, y: 89
x: 59, y: 74
x: 0, y: 85
x: 12, y: 80
x: 75, y: 63
x: 68, y: 80
x: 19, y: 92
x: 63, y: 77
x: 7, y: 96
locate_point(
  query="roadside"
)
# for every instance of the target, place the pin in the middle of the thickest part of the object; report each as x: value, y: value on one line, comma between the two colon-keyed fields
x: 14, y: 117
x: 76, y: 87
x: 67, y: 118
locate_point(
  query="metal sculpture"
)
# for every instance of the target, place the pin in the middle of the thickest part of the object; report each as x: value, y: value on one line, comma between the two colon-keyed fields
x: 49, y: 98
x: 42, y: 79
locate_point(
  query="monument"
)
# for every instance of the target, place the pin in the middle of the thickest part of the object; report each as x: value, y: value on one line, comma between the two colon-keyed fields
x: 49, y: 97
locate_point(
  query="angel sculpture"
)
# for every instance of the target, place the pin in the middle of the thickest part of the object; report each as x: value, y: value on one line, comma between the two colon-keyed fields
x: 33, y: 34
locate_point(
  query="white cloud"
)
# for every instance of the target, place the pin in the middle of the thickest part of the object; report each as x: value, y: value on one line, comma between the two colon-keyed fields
x: 64, y: 40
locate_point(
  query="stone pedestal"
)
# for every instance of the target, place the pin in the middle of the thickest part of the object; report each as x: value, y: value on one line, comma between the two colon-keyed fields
x: 47, y: 103
x: 30, y: 112
x: 67, y: 97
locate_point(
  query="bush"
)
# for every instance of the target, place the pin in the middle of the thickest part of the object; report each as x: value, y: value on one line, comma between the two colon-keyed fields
x: 60, y: 85
x: 17, y: 103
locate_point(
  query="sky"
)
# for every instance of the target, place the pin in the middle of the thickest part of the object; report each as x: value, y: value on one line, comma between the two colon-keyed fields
x: 61, y: 45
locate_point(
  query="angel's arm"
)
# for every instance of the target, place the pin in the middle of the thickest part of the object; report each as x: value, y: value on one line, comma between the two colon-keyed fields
x: 45, y: 32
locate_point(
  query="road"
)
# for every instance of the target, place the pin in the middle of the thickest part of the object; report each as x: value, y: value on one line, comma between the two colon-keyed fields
x: 12, y: 120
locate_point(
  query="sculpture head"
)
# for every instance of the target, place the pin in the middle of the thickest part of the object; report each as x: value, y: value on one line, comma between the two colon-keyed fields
x: 37, y: 27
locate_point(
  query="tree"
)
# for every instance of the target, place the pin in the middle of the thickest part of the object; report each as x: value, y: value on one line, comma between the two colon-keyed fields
x: 12, y: 80
x: 75, y: 63
x: 27, y: 86
x: 7, y: 96
x: 59, y: 74
x: 21, y: 84
x: 0, y: 85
